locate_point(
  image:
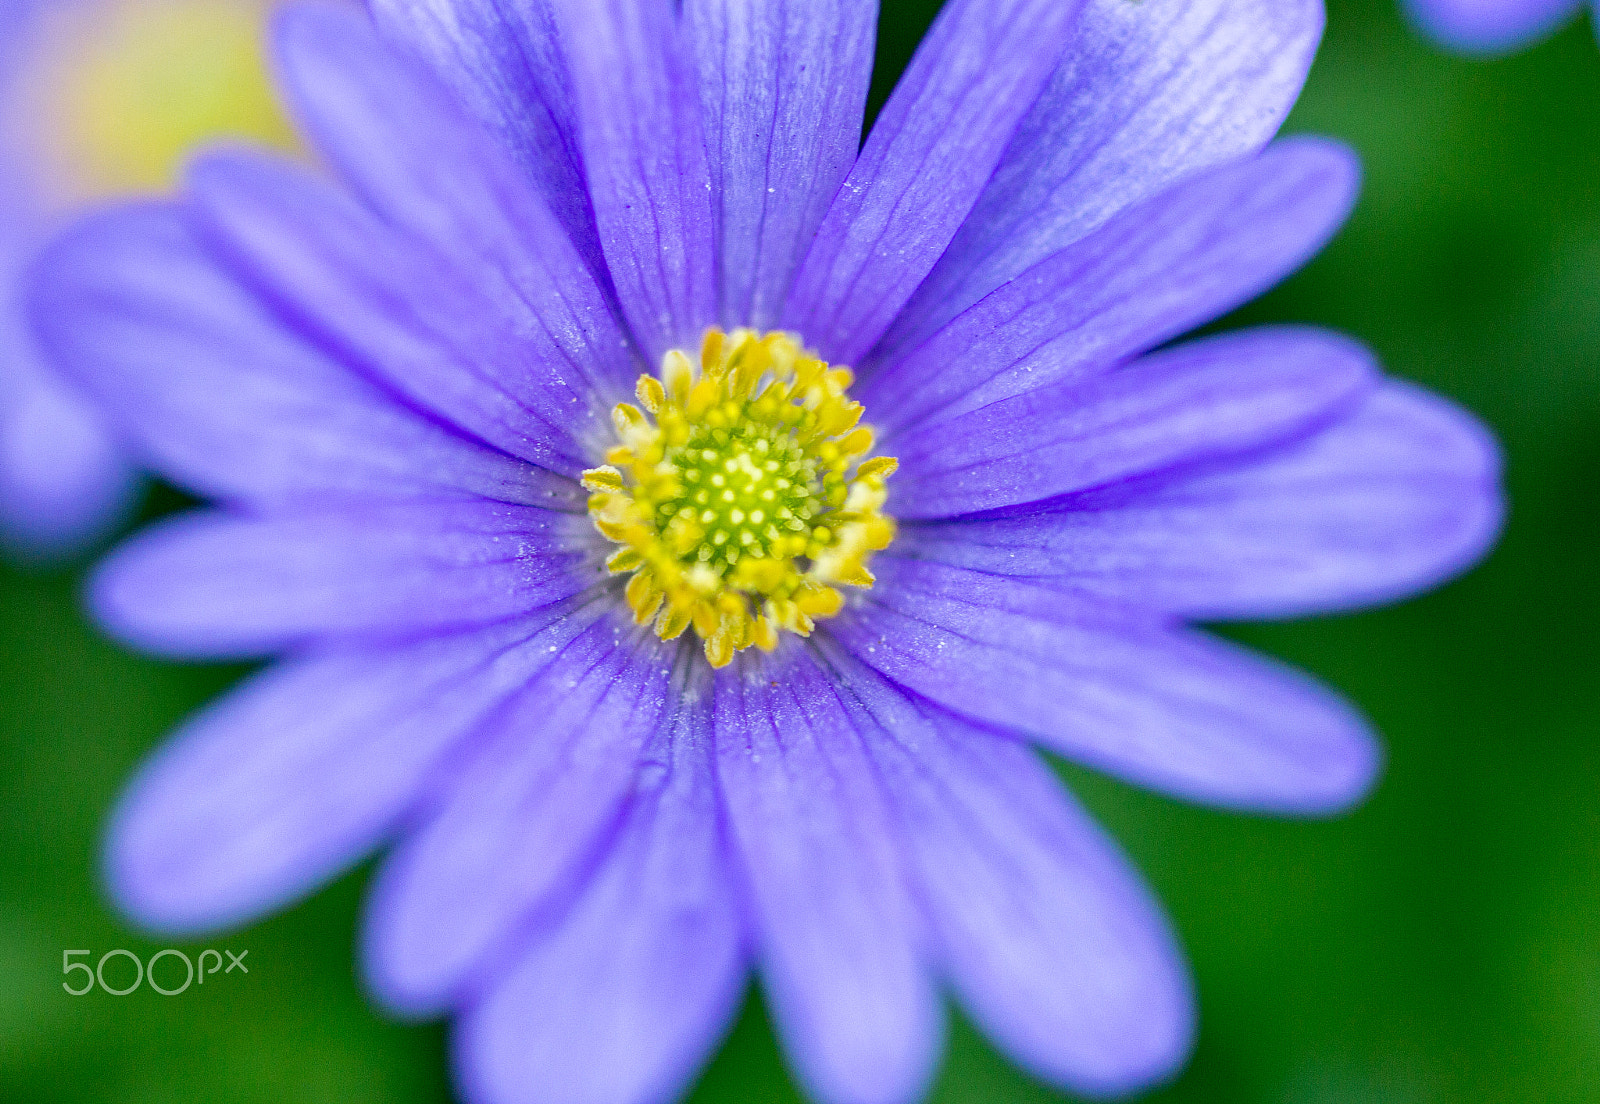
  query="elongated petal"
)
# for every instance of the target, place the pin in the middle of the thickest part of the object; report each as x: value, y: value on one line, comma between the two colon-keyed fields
x: 783, y: 84
x: 644, y: 155
x: 1204, y: 401
x: 523, y: 819
x: 1395, y: 499
x: 1047, y: 935
x: 838, y: 936
x: 978, y: 71
x: 1146, y: 95
x: 504, y: 62
x: 212, y: 585
x: 1180, y: 259
x: 295, y: 776
x: 512, y: 378
x: 422, y: 163
x: 1160, y: 706
x: 218, y: 395
x: 1489, y: 26
x: 64, y: 479
x: 620, y: 997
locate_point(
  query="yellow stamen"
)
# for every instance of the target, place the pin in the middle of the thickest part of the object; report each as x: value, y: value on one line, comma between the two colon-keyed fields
x: 741, y: 494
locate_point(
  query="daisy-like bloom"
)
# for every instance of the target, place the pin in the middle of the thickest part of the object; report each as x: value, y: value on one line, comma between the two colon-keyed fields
x: 1491, y: 26
x: 97, y: 98
x: 678, y: 520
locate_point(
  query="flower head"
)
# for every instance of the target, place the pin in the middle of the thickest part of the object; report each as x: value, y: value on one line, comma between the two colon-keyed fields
x: 465, y: 403
x: 745, y: 503
x: 97, y: 98
x: 1491, y: 26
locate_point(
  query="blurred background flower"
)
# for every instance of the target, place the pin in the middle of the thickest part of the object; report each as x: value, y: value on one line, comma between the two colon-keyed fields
x: 98, y: 98
x: 1491, y: 26
x: 1440, y: 944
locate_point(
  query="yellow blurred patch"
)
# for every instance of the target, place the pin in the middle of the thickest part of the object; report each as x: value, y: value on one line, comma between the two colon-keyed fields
x: 136, y: 85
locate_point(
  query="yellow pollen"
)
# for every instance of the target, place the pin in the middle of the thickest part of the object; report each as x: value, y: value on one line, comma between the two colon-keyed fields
x: 739, y: 494
x: 131, y: 88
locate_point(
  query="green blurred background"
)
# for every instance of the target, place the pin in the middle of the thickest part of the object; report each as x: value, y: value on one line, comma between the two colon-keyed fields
x: 1441, y: 944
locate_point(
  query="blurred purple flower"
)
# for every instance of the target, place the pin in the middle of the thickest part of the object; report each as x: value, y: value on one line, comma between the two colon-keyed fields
x: 393, y: 383
x: 62, y: 477
x: 97, y: 98
x: 1491, y: 26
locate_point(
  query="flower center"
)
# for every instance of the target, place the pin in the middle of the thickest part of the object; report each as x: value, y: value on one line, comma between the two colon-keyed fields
x: 739, y: 494
x: 130, y: 89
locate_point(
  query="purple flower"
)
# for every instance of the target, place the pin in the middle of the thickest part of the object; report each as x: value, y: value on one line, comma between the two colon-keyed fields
x: 97, y: 98
x: 631, y: 740
x: 62, y: 477
x: 1490, y: 26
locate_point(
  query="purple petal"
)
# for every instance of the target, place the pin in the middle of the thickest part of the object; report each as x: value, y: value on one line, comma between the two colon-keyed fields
x: 421, y: 163
x: 1192, y: 253
x: 783, y: 84
x: 513, y: 378
x: 504, y: 63
x: 620, y: 997
x: 839, y: 936
x: 1489, y: 26
x: 645, y: 157
x: 211, y: 388
x: 1160, y: 706
x: 978, y: 71
x: 1203, y: 401
x: 1393, y: 500
x: 296, y: 775
x: 525, y: 817
x: 210, y: 585
x: 1146, y: 95
x: 64, y: 479
x: 1046, y: 933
